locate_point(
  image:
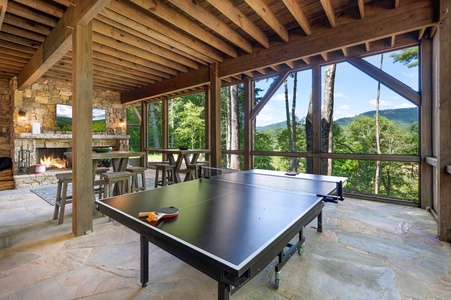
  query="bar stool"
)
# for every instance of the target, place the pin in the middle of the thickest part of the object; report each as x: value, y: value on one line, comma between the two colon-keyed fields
x: 120, y: 179
x: 136, y: 171
x: 195, y: 170
x: 61, y: 196
x: 167, y: 174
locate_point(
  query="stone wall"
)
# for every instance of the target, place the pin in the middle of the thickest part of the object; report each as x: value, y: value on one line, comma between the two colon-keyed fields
x: 6, y: 119
x: 39, y: 104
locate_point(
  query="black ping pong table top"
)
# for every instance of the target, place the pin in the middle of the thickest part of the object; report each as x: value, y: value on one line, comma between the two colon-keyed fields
x: 230, y: 226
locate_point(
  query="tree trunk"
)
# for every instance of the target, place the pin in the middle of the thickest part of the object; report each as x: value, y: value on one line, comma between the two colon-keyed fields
x: 378, y: 139
x: 171, y: 118
x: 294, y: 160
x: 327, y: 117
x: 287, y: 112
x: 228, y: 124
x: 156, y: 140
x: 309, y: 134
x: 235, y: 129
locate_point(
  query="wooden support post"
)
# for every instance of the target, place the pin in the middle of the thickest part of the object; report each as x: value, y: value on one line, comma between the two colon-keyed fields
x: 316, y: 118
x: 248, y: 123
x: 426, y: 123
x: 443, y: 132
x: 144, y: 126
x: 207, y: 104
x: 82, y: 82
x: 215, y: 116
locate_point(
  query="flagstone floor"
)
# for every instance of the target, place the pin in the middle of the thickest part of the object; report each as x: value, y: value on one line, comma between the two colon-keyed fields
x: 368, y: 250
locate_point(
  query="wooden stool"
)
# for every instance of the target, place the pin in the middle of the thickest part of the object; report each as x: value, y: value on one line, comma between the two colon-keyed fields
x: 135, y: 182
x: 195, y: 170
x: 101, y: 170
x: 167, y: 174
x: 61, y: 196
x: 120, y: 179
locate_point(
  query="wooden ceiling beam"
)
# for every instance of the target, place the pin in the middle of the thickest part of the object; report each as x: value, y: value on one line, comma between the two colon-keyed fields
x: 17, y: 31
x: 3, y: 7
x: 298, y: 14
x: 240, y: 20
x: 361, y: 4
x: 394, y: 21
x: 269, y: 17
x: 328, y: 9
x: 199, y: 13
x: 59, y: 41
x: 161, y: 10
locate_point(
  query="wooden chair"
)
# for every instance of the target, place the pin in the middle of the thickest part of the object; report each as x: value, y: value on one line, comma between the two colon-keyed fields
x: 136, y: 172
x: 167, y: 174
x: 119, y: 180
x: 62, y: 198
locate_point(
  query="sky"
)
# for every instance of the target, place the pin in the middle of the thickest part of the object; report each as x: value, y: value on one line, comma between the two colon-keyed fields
x: 355, y: 92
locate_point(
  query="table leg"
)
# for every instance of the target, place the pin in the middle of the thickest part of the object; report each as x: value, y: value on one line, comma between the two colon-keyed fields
x: 223, y: 291
x: 144, y: 261
x: 178, y: 165
x: 320, y: 222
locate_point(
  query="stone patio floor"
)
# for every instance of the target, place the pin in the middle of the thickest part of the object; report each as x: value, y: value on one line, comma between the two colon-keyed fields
x: 368, y: 250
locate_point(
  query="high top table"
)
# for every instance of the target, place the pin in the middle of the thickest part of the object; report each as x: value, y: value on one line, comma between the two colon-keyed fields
x: 177, y: 156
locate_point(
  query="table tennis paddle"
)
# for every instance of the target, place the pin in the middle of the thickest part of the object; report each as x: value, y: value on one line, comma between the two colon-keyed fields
x: 164, y: 212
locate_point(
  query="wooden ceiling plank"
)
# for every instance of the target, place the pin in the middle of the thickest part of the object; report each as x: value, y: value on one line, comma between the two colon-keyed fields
x: 295, y: 9
x: 16, y: 47
x: 14, y: 30
x: 162, y: 11
x: 124, y: 70
x: 12, y: 58
x: 27, y: 24
x: 269, y: 17
x: 29, y: 14
x: 65, y: 3
x: 361, y: 4
x: 114, y: 19
x: 199, y: 13
x: 121, y: 63
x: 133, y: 58
x: 107, y: 34
x: 130, y: 49
x: 18, y: 40
x: 150, y: 26
x: 43, y: 6
x: 3, y: 7
x: 58, y: 42
x: 240, y: 20
x: 389, y: 81
x: 328, y: 9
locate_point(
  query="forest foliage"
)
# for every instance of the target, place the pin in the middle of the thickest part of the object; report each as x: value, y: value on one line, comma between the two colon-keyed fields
x: 398, y: 180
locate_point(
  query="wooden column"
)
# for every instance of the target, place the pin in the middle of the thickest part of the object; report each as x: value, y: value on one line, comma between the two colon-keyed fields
x: 425, y: 123
x: 207, y: 119
x: 144, y: 132
x: 82, y: 81
x: 248, y: 123
x: 316, y: 118
x: 164, y: 123
x: 443, y: 133
x: 215, y: 116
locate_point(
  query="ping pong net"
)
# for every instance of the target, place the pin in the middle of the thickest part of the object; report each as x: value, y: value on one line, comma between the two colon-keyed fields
x: 330, y: 188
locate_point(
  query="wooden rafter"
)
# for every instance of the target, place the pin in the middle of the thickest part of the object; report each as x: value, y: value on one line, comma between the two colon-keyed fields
x: 328, y: 9
x: 295, y: 9
x: 3, y: 6
x: 240, y: 19
x: 268, y: 16
x: 197, y: 12
x: 361, y: 4
x: 162, y: 11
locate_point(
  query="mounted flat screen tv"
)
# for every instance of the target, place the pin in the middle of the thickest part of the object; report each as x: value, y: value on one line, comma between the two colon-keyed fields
x: 64, y: 118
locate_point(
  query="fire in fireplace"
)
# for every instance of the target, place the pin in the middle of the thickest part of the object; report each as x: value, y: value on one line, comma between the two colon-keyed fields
x: 52, y: 158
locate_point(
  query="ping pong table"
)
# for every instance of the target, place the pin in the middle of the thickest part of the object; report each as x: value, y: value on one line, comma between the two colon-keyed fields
x: 230, y: 227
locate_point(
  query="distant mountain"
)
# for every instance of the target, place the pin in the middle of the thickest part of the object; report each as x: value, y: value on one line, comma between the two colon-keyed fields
x: 401, y: 116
